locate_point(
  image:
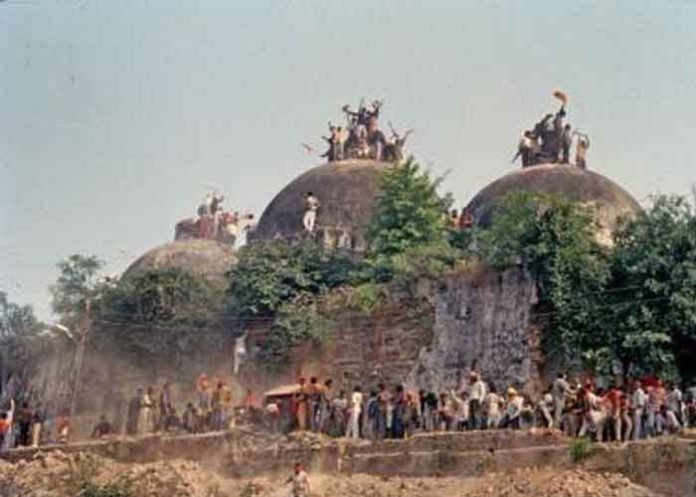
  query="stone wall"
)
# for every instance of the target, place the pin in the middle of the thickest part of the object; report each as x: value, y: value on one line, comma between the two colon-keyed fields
x: 475, y: 317
x: 482, y: 320
x: 366, y: 349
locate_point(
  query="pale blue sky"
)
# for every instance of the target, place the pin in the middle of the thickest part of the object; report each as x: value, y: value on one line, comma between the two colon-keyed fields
x: 117, y: 116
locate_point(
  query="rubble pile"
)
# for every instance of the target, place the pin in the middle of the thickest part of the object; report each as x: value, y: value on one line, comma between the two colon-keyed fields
x: 546, y: 483
x: 568, y: 483
x: 56, y: 474
x: 249, y: 441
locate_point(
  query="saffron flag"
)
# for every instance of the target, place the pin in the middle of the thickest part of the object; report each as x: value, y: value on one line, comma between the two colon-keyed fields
x: 561, y: 96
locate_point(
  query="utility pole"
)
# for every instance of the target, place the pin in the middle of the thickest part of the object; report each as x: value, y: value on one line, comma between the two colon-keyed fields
x: 80, y: 354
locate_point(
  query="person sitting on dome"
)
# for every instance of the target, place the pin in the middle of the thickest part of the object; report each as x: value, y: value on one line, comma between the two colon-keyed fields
x: 311, y: 204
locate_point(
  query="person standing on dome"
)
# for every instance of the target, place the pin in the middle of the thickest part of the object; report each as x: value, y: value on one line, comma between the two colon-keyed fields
x: 566, y: 142
x: 311, y: 204
x: 332, y: 153
x: 581, y: 147
x: 527, y: 148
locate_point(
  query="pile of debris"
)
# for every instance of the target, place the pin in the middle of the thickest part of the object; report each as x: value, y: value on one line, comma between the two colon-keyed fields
x: 546, y: 483
x: 56, y: 474
x: 565, y: 483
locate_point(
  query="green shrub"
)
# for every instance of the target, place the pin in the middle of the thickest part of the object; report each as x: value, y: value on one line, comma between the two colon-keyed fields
x: 119, y: 489
x: 367, y: 297
x: 579, y: 449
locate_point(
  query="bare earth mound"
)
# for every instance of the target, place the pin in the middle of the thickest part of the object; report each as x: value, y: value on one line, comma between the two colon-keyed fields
x: 60, y: 475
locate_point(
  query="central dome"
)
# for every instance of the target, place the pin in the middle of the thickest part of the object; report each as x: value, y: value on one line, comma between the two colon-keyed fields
x: 609, y: 201
x: 346, y: 191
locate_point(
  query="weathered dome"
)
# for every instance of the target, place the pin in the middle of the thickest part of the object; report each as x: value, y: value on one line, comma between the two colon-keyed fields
x: 608, y: 200
x: 207, y: 258
x: 346, y: 191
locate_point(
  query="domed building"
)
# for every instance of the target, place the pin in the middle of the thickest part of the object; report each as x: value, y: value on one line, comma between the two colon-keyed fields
x: 608, y: 200
x: 346, y: 192
x: 207, y: 258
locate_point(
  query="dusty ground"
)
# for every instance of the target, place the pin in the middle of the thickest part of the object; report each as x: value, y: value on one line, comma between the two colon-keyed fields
x: 84, y: 475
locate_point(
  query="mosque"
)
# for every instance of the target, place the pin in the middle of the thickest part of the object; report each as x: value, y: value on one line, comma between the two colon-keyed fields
x: 347, y: 186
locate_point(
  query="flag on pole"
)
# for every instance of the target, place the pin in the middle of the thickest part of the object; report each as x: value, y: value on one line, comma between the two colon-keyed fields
x: 561, y: 96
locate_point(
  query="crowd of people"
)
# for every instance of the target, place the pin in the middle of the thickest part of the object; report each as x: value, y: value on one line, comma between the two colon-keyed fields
x: 361, y: 137
x: 213, y: 222
x: 642, y: 409
x: 152, y: 411
x: 645, y: 408
x: 551, y: 139
x: 24, y: 424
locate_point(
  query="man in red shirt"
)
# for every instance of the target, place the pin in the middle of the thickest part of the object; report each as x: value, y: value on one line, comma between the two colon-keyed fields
x: 613, y: 400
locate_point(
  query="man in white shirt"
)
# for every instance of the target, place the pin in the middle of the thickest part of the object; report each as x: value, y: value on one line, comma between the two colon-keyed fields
x: 477, y: 392
x: 513, y: 409
x: 638, y: 401
x: 356, y: 402
x: 491, y: 407
x: 674, y: 404
x: 560, y: 390
x: 310, y: 216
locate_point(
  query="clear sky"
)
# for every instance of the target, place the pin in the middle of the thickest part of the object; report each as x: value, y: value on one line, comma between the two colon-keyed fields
x: 116, y: 117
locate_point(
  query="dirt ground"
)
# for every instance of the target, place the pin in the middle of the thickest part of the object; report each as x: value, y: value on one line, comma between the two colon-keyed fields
x: 84, y: 475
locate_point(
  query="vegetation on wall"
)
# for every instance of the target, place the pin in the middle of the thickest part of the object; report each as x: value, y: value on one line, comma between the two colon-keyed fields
x: 554, y: 239
x: 627, y: 309
x: 285, y: 284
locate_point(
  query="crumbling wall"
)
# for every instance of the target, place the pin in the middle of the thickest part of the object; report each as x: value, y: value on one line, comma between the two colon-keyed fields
x: 362, y: 349
x: 477, y: 317
x: 482, y: 320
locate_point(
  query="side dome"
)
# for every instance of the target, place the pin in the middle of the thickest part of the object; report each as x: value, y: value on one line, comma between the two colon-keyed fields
x: 608, y: 200
x: 207, y: 258
x: 346, y: 191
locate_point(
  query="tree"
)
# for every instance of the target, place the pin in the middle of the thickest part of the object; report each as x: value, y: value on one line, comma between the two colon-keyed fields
x: 162, y: 315
x: 76, y: 283
x: 653, y: 319
x: 554, y: 239
x: 409, y: 213
x: 19, y: 339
